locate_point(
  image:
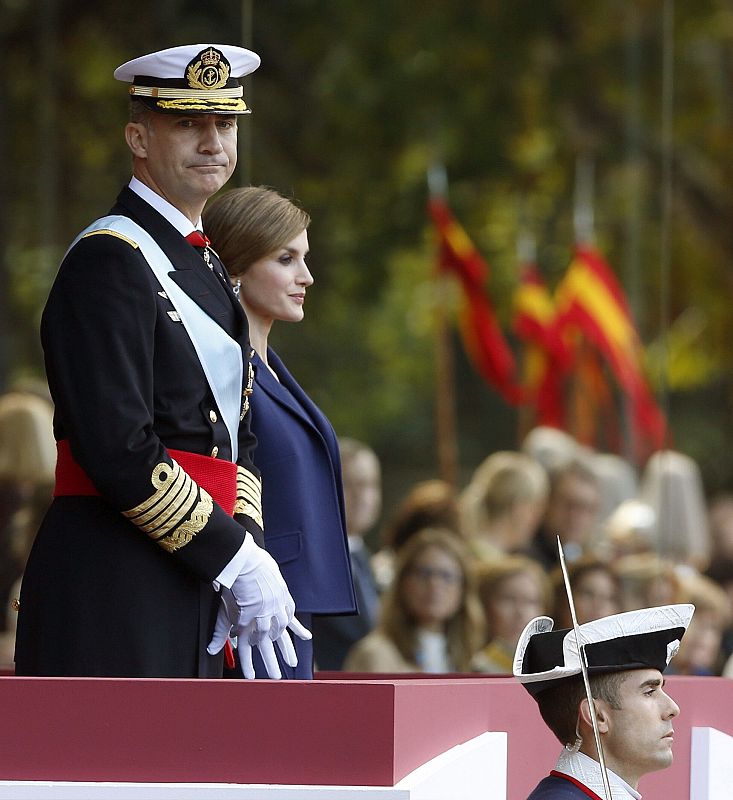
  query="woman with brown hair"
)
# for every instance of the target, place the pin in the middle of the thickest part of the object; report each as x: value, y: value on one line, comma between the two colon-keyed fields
x: 431, y: 618
x: 596, y: 591
x: 513, y: 589
x: 262, y: 238
x: 430, y: 503
x: 503, y: 504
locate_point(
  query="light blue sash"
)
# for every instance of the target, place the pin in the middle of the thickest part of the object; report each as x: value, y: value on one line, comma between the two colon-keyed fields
x: 219, y: 354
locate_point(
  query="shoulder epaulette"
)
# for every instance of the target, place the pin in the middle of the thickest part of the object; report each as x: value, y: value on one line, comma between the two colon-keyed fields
x: 109, y: 232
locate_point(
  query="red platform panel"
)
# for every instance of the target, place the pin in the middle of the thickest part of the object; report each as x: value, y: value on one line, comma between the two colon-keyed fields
x: 331, y: 733
x: 335, y: 732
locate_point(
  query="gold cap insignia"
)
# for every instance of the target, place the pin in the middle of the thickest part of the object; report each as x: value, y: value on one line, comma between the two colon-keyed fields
x: 208, y: 70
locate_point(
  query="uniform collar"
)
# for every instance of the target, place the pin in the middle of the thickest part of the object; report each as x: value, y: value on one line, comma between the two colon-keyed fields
x: 587, y: 771
x: 176, y: 218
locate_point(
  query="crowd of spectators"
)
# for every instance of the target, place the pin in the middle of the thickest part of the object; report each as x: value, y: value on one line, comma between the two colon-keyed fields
x: 631, y: 540
x: 457, y: 573
x: 27, y: 464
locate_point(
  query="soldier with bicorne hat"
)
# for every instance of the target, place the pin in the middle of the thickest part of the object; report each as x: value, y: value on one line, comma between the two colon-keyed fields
x: 148, y: 559
x: 626, y: 656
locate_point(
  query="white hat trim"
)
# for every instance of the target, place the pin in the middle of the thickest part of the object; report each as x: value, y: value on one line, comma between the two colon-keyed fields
x: 628, y: 623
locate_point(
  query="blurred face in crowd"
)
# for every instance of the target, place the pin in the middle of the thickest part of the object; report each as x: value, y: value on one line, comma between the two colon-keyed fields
x: 517, y: 599
x: 700, y: 647
x: 596, y: 595
x: 573, y: 508
x: 525, y: 517
x: 362, y: 492
x: 432, y: 588
x: 184, y: 158
x: 273, y: 288
x: 721, y: 526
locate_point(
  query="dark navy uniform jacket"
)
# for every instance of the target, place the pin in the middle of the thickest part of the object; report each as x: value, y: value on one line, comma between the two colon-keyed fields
x: 100, y: 596
x: 556, y: 788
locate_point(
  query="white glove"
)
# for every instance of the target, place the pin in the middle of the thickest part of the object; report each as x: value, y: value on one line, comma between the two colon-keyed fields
x: 258, y: 610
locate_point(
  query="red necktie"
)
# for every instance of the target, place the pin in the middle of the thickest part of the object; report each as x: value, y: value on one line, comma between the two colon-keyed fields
x: 198, y: 239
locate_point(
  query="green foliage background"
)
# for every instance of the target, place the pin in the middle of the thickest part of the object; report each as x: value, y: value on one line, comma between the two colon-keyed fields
x: 353, y: 103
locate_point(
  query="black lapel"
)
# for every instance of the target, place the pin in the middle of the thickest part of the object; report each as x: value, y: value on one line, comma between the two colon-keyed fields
x: 190, y: 272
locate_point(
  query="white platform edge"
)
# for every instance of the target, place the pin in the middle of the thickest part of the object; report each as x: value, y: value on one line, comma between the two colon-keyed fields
x: 711, y: 765
x: 473, y: 770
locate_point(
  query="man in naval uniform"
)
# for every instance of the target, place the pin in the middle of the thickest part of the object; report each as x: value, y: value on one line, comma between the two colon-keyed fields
x: 148, y: 559
x: 626, y: 654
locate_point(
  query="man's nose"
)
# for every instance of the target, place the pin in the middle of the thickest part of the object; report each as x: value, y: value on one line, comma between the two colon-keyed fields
x: 210, y: 139
x: 674, y: 709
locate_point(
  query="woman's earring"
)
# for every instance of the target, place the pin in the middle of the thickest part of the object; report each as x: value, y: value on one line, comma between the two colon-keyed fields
x: 236, y: 286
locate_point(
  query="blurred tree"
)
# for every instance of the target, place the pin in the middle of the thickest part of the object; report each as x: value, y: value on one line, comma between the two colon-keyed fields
x: 352, y: 104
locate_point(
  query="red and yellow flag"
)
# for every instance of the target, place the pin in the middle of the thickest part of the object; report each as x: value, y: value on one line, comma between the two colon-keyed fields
x: 589, y: 299
x: 546, y: 356
x: 480, y: 330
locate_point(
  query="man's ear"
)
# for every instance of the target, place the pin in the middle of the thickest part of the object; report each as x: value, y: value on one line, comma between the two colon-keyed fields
x: 602, y: 715
x: 136, y: 136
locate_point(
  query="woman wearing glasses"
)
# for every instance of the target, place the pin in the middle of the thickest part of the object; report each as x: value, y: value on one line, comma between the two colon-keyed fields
x: 431, y: 619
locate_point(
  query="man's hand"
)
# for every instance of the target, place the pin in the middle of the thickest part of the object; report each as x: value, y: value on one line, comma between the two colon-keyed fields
x: 258, y: 610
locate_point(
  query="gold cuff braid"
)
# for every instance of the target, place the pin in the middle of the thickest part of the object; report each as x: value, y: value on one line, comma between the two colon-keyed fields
x: 177, y: 510
x: 249, y: 495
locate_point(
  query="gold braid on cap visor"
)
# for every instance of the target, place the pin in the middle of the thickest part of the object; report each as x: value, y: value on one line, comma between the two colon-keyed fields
x: 204, y: 105
x: 193, y: 99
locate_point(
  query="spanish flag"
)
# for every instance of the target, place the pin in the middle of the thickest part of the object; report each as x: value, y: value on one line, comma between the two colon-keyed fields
x: 482, y: 337
x: 546, y: 356
x: 590, y: 301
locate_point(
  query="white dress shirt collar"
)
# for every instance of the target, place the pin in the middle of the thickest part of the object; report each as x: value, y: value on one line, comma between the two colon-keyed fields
x: 588, y: 772
x: 176, y: 218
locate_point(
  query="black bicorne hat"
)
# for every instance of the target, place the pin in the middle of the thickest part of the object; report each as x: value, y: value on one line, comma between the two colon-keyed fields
x: 645, y: 639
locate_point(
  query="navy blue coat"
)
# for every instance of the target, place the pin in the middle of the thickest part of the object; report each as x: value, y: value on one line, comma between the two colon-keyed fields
x: 302, y: 498
x: 556, y: 788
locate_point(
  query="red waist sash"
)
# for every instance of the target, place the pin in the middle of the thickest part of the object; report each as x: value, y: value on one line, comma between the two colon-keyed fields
x: 217, y: 476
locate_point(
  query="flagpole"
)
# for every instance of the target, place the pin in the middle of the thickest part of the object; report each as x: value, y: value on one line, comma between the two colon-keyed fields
x: 446, y: 439
x: 244, y: 163
x: 583, y: 416
x: 667, y: 181
x: 526, y: 255
x: 583, y: 218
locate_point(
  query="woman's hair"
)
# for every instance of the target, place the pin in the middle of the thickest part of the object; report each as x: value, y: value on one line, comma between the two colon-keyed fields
x: 27, y: 445
x: 647, y: 580
x: 492, y: 574
x: 706, y: 595
x: 428, y: 504
x: 499, y: 483
x: 247, y: 224
x: 465, y: 631
x: 577, y: 571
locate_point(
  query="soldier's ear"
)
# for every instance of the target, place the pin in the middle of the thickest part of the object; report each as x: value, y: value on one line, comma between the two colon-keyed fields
x: 136, y: 136
x: 602, y: 716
